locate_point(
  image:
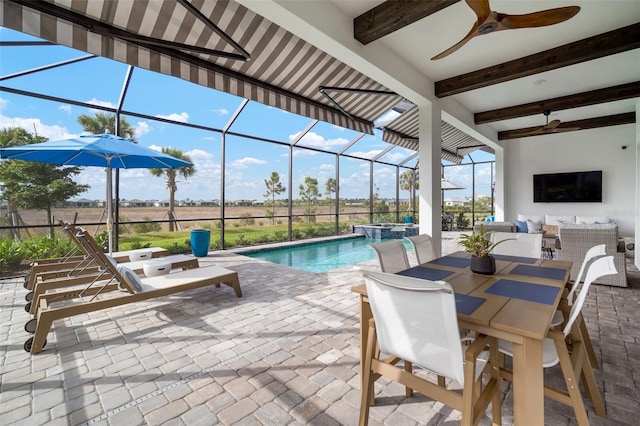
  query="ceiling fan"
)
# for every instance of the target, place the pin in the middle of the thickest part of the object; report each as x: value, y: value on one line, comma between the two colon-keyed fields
x: 490, y: 21
x: 550, y: 127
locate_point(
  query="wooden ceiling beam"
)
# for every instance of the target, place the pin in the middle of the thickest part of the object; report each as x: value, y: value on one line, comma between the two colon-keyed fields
x: 609, y: 94
x: 392, y: 15
x: 610, y: 43
x: 589, y: 123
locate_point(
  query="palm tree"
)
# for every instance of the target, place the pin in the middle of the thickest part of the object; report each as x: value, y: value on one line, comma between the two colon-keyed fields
x: 410, y: 180
x: 170, y: 178
x: 103, y: 122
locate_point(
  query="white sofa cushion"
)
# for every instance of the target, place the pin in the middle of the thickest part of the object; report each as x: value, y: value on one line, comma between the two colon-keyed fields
x: 589, y: 220
x: 531, y: 217
x: 557, y: 220
x: 534, y: 227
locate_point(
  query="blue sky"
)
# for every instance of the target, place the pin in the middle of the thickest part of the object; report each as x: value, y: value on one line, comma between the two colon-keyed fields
x: 248, y: 163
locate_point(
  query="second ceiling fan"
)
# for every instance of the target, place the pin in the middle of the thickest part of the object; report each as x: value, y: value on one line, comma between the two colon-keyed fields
x: 551, y: 127
x: 489, y: 21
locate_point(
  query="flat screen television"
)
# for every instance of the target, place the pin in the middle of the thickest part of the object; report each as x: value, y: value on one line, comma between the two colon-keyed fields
x: 574, y: 187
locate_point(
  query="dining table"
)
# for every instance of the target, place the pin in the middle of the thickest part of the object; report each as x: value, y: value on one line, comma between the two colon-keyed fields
x: 516, y: 303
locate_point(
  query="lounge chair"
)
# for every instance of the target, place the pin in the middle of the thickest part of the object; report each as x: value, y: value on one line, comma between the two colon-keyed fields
x: 125, y: 287
x: 80, y: 265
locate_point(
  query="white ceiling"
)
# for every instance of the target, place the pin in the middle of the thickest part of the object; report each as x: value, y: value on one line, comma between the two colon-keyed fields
x: 418, y: 42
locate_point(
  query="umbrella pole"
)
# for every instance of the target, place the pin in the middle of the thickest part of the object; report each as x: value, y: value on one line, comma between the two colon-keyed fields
x: 109, y: 212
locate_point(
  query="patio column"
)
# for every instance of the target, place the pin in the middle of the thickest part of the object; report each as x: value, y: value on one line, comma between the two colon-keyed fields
x: 499, y: 188
x: 430, y: 172
x: 636, y: 259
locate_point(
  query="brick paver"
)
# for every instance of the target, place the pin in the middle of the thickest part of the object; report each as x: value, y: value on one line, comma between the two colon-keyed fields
x: 285, y: 353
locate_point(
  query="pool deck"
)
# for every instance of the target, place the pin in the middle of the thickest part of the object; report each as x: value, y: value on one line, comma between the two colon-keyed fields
x: 286, y: 353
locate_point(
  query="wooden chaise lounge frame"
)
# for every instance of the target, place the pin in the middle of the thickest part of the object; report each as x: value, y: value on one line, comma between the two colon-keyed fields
x: 154, y: 287
x: 75, y: 266
x: 88, y: 273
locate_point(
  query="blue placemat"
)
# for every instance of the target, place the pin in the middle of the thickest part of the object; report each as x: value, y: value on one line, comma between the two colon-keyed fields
x: 524, y: 291
x: 539, y: 272
x: 456, y: 262
x: 466, y: 304
x: 425, y: 273
x: 517, y: 259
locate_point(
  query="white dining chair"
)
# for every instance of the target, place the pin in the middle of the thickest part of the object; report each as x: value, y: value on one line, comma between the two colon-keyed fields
x: 518, y: 244
x: 392, y: 256
x: 415, y: 320
x: 424, y: 247
x: 556, y: 351
x: 593, y: 252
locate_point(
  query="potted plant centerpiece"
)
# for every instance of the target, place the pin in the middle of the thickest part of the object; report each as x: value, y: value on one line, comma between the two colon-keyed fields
x: 478, y: 244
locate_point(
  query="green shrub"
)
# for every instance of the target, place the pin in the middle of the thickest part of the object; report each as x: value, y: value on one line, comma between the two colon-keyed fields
x: 247, y: 219
x: 11, y: 255
x: 177, y: 248
x: 135, y: 245
x: 143, y: 228
x: 280, y: 235
x: 102, y: 239
x: 242, y: 241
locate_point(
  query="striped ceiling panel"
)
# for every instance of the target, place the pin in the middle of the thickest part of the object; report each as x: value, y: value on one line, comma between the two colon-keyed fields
x: 404, y: 131
x: 177, y: 38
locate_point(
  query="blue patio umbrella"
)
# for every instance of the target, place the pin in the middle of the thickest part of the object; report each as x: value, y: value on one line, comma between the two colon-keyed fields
x: 104, y: 150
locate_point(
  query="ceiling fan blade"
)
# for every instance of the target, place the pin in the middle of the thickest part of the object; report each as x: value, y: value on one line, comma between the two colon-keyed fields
x: 472, y: 33
x: 561, y: 130
x: 525, y: 132
x: 538, y: 19
x: 481, y: 8
x: 552, y: 125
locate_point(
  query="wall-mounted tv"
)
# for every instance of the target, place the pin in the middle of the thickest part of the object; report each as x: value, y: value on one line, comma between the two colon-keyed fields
x: 574, y: 187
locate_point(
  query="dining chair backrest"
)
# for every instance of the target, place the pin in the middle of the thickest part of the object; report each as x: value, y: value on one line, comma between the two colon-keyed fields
x: 416, y: 321
x: 598, y: 268
x: 520, y: 244
x: 424, y: 247
x: 593, y: 252
x: 392, y: 256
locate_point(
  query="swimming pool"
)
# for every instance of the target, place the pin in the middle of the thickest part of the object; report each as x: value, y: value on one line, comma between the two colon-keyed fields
x: 323, y: 257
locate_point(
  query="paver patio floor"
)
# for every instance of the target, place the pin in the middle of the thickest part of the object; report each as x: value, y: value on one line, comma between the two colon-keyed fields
x: 287, y: 352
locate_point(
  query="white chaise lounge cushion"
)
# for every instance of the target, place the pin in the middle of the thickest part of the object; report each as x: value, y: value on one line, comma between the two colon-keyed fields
x: 177, y: 278
x: 131, y: 278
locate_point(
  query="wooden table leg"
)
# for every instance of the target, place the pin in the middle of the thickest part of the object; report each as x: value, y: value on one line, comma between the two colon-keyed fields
x: 528, y: 383
x: 365, y: 316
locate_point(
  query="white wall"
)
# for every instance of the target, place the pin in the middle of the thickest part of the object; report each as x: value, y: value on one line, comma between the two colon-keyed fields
x: 596, y: 149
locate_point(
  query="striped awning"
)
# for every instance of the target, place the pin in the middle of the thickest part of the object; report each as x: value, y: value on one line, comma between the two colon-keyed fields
x: 404, y: 132
x: 218, y: 44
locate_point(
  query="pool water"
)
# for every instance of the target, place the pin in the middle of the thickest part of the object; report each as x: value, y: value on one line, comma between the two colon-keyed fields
x: 323, y: 257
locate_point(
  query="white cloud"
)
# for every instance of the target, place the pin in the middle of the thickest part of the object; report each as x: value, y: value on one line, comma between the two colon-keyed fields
x: 51, y: 132
x: 65, y: 108
x: 366, y: 154
x: 221, y: 111
x: 245, y: 162
x: 142, y: 129
x: 315, y: 140
x: 395, y: 157
x: 301, y: 153
x: 182, y: 117
x: 95, y: 101
x: 3, y: 103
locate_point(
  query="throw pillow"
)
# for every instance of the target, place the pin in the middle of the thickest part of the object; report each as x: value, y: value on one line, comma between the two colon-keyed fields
x: 131, y: 278
x: 521, y: 226
x: 533, y: 227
